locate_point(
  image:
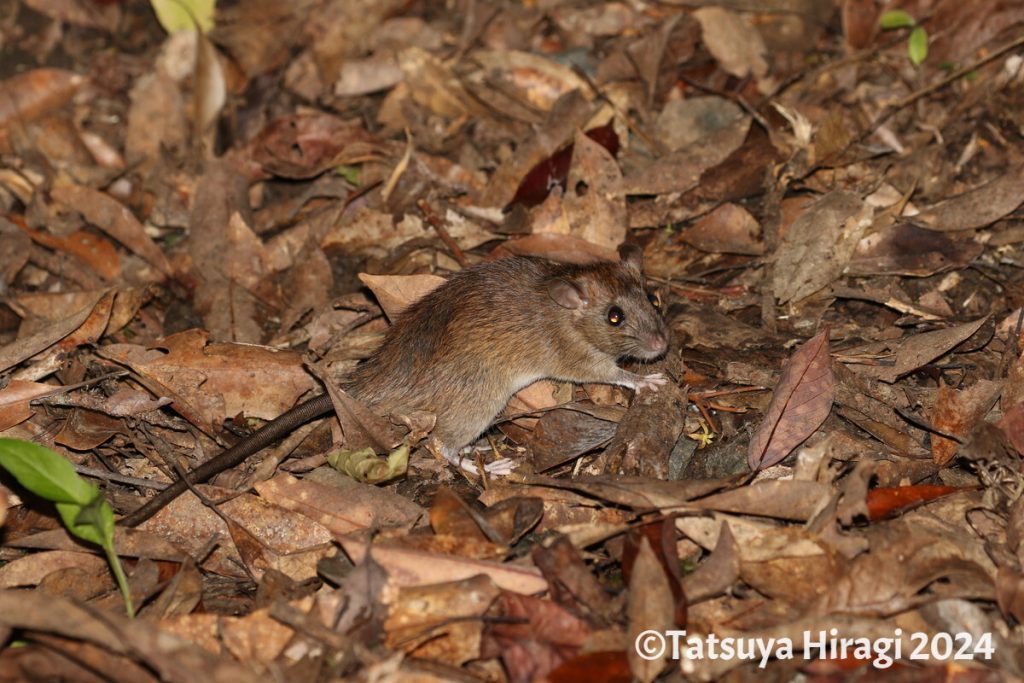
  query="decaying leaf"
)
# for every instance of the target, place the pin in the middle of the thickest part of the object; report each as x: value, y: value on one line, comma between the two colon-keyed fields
x: 818, y: 245
x: 800, y: 403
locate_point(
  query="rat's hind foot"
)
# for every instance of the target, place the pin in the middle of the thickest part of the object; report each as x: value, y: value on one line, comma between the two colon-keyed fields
x: 498, y: 468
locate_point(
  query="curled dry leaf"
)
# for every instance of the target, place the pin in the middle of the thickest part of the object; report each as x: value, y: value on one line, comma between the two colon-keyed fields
x: 15, y: 399
x: 800, y: 404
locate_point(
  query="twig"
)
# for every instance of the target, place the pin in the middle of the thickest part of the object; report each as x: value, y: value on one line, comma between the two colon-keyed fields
x: 120, y: 478
x: 442, y: 232
x: 927, y: 90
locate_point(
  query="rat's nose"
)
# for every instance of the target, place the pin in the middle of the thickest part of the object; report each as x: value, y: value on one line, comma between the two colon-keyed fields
x: 656, y: 343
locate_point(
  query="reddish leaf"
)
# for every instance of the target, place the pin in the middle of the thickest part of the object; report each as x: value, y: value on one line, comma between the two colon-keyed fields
x: 593, y: 667
x: 537, y: 184
x: 662, y: 538
x: 801, y: 402
x: 888, y: 501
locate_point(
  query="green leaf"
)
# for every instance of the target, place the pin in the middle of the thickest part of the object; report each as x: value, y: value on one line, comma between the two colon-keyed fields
x: 182, y: 15
x: 45, y: 473
x: 81, y: 506
x: 349, y: 173
x: 917, y: 45
x: 897, y: 18
x: 93, y: 522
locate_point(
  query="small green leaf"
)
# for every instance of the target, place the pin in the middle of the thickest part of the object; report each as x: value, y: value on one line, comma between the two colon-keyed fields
x: 45, y: 473
x: 93, y: 522
x: 349, y: 173
x: 897, y: 18
x: 917, y: 45
x: 182, y: 15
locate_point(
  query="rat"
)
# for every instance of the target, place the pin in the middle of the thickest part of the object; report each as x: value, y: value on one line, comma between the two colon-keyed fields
x: 465, y: 348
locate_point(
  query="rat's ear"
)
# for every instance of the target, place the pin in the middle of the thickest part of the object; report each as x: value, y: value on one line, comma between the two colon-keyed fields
x: 567, y: 293
x: 632, y: 256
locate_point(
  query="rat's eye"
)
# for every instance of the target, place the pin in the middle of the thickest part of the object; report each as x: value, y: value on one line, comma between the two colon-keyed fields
x: 655, y: 301
x: 615, y: 316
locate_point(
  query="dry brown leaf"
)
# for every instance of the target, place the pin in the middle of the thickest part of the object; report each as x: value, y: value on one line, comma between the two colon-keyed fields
x: 342, y: 507
x: 906, y: 249
x: 14, y: 401
x: 32, y: 94
x: 93, y: 250
x: 24, y: 348
x: 533, y: 636
x: 957, y: 412
x: 156, y: 119
x: 210, y: 382
x: 818, y: 245
x: 562, y: 248
x: 778, y: 498
x: 919, y: 349
x: 728, y: 229
x: 717, y: 573
x: 800, y: 403
x: 443, y: 621
x: 417, y: 568
x: 592, y: 210
x: 113, y: 218
x: 650, y: 610
x: 522, y: 84
x: 395, y: 292
x: 33, y: 568
x: 733, y: 42
x: 978, y: 207
x: 364, y: 76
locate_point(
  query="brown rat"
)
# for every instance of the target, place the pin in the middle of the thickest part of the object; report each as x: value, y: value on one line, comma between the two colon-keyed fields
x: 465, y: 348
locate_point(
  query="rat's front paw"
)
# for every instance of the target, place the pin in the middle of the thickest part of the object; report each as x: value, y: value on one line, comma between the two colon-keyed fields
x: 651, y: 382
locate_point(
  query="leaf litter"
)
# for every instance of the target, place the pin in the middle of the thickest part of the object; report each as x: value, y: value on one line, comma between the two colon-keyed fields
x: 198, y: 230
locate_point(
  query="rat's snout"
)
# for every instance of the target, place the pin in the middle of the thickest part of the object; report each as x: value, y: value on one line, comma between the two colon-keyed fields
x: 655, y: 343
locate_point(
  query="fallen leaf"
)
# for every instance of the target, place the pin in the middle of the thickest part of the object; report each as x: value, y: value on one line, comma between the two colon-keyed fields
x: 800, y: 403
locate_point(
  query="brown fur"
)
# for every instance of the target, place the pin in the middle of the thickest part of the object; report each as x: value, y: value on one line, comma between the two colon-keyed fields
x: 465, y: 348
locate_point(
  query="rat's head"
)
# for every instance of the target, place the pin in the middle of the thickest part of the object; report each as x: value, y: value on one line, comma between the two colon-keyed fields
x: 612, y: 308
